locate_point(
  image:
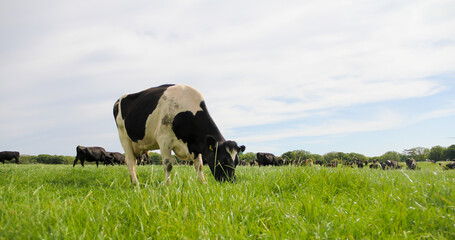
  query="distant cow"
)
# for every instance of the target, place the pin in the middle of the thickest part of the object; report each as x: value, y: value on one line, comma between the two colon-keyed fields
x: 411, y: 163
x: 143, y: 159
x: 254, y: 162
x: 331, y: 164
x: 116, y: 158
x: 266, y: 159
x: 392, y: 164
x: 450, y: 165
x: 375, y: 165
x: 309, y: 162
x: 174, y: 118
x: 9, y: 155
x: 320, y: 162
x: 360, y: 164
x: 91, y: 154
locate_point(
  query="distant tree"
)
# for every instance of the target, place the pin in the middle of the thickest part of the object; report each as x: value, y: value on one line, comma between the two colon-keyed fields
x: 248, y: 157
x: 53, y: 159
x: 155, y: 158
x: 450, y: 152
x: 393, y: 156
x: 437, y: 153
x: 338, y: 156
x: 296, y: 155
x: 358, y: 156
x: 418, y: 153
x: 317, y: 158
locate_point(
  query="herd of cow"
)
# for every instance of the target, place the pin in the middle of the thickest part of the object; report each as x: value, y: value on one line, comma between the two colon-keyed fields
x: 268, y: 159
x: 100, y: 155
x: 175, y: 118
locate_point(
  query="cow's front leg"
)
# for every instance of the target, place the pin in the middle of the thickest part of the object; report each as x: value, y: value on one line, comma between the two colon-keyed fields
x: 167, y: 163
x: 198, y: 165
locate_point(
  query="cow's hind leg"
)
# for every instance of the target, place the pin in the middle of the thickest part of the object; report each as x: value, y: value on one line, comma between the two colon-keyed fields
x: 130, y: 161
x: 198, y: 166
x: 130, y: 158
x: 167, y: 163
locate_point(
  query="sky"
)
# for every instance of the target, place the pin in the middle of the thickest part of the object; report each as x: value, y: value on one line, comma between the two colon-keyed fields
x: 321, y: 76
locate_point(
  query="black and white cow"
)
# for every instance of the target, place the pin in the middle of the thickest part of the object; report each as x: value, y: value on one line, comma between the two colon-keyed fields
x: 411, y: 163
x: 9, y: 155
x: 91, y: 154
x: 174, y: 118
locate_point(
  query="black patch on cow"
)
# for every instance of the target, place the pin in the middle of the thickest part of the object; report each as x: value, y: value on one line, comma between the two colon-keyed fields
x: 137, y: 107
x: 192, y: 129
x: 116, y: 110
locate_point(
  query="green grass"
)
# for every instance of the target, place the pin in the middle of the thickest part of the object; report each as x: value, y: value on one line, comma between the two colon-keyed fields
x: 61, y: 202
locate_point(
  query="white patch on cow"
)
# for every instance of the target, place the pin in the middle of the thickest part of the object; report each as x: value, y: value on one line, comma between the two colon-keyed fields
x: 232, y: 153
x: 180, y: 98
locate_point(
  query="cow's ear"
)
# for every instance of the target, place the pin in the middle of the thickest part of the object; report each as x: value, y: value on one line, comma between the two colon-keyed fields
x: 211, y: 143
x: 242, y: 148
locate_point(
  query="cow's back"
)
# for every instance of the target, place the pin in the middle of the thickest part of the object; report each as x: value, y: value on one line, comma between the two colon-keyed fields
x: 145, y: 116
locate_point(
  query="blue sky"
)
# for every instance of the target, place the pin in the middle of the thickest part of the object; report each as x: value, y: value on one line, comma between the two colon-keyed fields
x: 350, y: 76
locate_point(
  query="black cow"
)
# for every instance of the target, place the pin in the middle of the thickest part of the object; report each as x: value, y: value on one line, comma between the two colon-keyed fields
x: 174, y: 118
x: 9, y: 155
x: 266, y: 159
x: 320, y: 162
x: 360, y: 164
x: 411, y: 163
x: 91, y: 154
x: 116, y: 158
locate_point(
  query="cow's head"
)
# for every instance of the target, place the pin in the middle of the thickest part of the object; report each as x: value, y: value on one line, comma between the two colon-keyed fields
x: 222, y: 158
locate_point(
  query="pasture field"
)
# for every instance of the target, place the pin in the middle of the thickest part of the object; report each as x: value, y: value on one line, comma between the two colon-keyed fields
x: 62, y: 202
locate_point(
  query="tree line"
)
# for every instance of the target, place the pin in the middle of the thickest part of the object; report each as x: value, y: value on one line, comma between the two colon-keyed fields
x: 435, y: 154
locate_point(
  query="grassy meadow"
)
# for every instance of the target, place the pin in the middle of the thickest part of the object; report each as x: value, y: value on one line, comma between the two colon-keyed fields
x: 62, y: 202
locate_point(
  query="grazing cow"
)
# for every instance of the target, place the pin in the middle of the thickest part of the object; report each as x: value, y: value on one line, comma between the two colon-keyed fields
x: 309, y: 162
x: 349, y: 164
x: 242, y: 163
x: 411, y: 163
x: 320, y: 162
x: 375, y: 165
x: 9, y: 155
x: 266, y: 159
x: 254, y: 162
x: 143, y: 159
x: 333, y: 164
x: 91, y: 154
x: 174, y: 118
x: 450, y: 165
x: 392, y: 164
x: 359, y: 163
x: 116, y: 158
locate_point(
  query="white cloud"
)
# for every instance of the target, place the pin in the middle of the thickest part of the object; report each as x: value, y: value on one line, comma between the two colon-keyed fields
x: 380, y: 121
